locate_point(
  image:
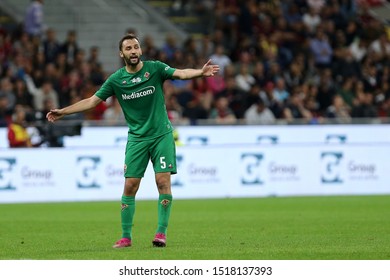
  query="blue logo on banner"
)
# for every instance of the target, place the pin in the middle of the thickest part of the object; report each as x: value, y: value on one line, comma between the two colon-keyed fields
x: 271, y: 139
x: 251, y: 170
x: 337, y: 138
x: 331, y: 167
x: 202, y: 140
x: 176, y: 181
x: 122, y: 140
x: 88, y: 168
x: 6, y: 168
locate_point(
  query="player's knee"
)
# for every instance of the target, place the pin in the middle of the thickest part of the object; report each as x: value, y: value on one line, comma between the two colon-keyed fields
x: 131, y: 187
x: 163, y: 184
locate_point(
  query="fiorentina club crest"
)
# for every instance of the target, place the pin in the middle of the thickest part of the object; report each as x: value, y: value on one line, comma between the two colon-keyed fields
x: 165, y: 202
x: 124, y: 206
x: 147, y: 74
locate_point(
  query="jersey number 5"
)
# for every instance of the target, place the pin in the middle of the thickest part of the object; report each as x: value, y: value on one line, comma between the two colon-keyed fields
x: 163, y: 163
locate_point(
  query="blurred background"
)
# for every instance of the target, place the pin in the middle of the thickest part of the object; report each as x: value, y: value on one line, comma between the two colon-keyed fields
x: 295, y: 75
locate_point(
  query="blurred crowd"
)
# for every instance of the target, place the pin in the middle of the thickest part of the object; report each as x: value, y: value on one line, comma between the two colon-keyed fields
x: 294, y: 60
x: 305, y: 61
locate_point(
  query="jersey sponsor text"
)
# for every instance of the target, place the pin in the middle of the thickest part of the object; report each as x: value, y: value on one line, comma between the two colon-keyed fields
x: 143, y: 92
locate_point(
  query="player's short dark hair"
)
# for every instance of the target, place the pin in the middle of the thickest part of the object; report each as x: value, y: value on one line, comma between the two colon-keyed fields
x: 128, y: 36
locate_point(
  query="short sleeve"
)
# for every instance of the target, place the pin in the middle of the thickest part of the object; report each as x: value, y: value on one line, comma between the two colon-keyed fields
x: 165, y: 70
x: 106, y: 90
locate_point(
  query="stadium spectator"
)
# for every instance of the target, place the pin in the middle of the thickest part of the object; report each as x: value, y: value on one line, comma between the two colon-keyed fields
x: 358, y: 49
x: 38, y: 62
x: 201, y: 91
x: 182, y: 91
x: 235, y: 96
x: 326, y: 90
x: 346, y: 92
x: 96, y: 113
x: 174, y: 109
x: 383, y: 100
x: 321, y: 49
x: 311, y: 103
x: 219, y: 57
x: 244, y: 79
x: 34, y: 19
x: 346, y: 66
x: 46, y: 91
x: 150, y: 50
x: 22, y: 96
x: 339, y: 44
x: 365, y: 106
x: 280, y: 91
x: 316, y: 5
x: 295, y: 107
x: 80, y: 62
x: 221, y: 112
x: 70, y: 85
x: 293, y: 76
x: 336, y: 15
x: 215, y: 84
x: 70, y: 47
x: 311, y: 19
x: 62, y: 65
x: 94, y: 57
x: 169, y: 47
x: 226, y: 25
x: 206, y: 47
x: 370, y: 78
x: 51, y: 46
x: 7, y: 90
x: 292, y: 14
x: 353, y: 31
x: 18, y: 136
x: 259, y: 114
x: 259, y: 74
x: 5, y: 112
x: 51, y: 73
x: 268, y: 96
x: 380, y: 48
x: 197, y: 109
x: 267, y: 26
x: 252, y: 95
x: 190, y: 51
x: 338, y: 110
x: 6, y: 48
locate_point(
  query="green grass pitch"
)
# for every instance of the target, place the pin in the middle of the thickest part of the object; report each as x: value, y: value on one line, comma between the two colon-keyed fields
x: 289, y: 228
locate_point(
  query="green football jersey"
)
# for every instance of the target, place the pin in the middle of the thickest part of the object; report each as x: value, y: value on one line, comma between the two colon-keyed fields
x: 141, y: 97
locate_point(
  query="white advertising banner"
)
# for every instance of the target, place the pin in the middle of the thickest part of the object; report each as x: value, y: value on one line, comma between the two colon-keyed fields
x: 70, y: 174
x: 221, y: 135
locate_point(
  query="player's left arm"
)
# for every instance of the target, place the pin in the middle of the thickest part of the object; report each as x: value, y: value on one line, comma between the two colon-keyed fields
x: 207, y: 70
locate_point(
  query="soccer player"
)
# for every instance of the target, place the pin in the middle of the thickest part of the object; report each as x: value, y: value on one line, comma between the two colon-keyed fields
x: 138, y: 86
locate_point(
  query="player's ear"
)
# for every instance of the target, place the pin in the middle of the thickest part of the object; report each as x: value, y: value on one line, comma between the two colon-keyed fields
x: 121, y: 54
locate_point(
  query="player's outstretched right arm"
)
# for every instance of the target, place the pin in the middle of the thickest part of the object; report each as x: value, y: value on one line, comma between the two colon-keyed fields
x: 82, y: 105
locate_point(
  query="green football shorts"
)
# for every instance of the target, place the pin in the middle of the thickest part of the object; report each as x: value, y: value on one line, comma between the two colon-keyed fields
x: 161, y: 151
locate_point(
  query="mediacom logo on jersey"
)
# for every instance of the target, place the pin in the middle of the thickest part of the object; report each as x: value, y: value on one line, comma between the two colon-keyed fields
x: 142, y: 93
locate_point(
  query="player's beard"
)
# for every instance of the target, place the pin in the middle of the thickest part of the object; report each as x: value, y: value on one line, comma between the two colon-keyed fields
x: 131, y: 61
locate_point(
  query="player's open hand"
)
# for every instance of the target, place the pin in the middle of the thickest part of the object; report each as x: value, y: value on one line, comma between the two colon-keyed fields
x: 209, y: 69
x: 54, y: 115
